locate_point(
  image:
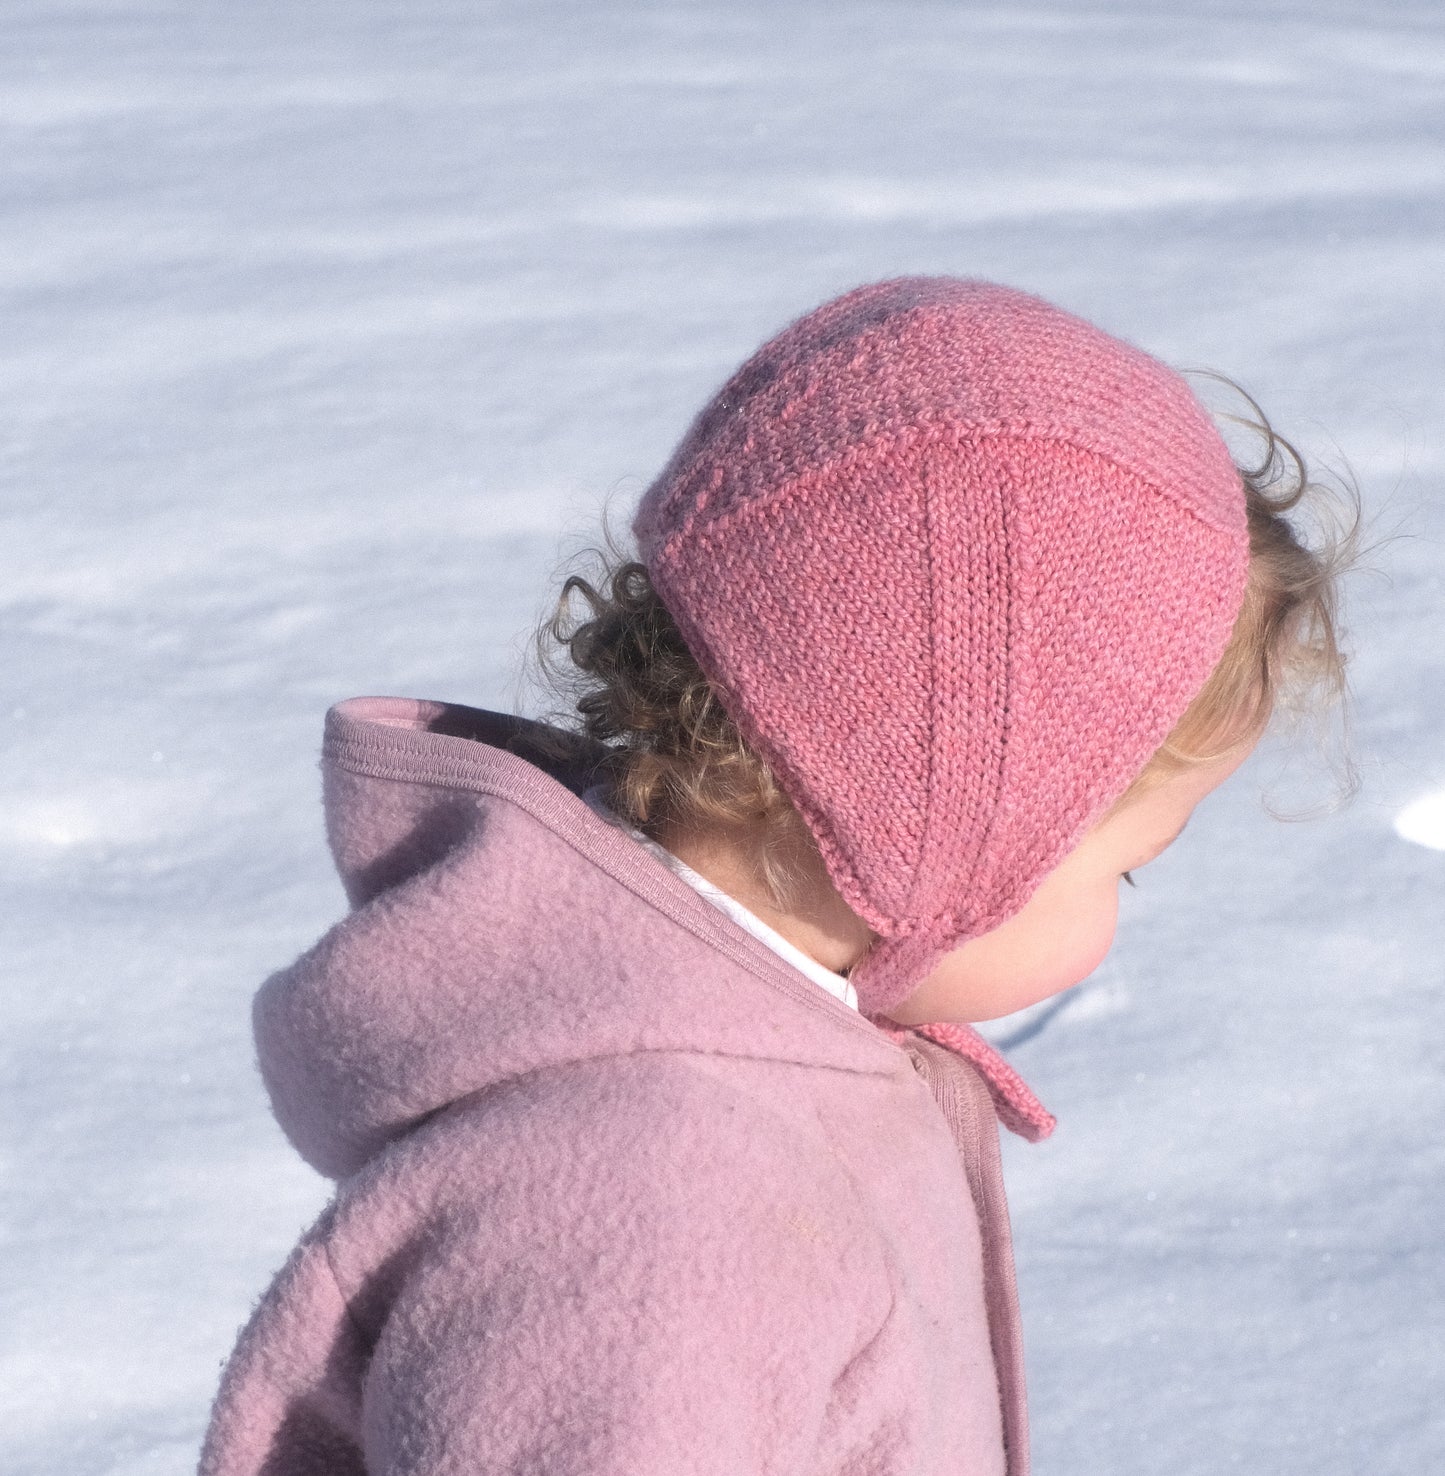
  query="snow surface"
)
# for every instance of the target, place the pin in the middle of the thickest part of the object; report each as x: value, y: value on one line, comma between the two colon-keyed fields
x: 1423, y: 821
x: 328, y: 329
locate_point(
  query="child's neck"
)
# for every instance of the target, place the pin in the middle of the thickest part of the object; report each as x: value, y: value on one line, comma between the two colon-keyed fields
x: 819, y: 922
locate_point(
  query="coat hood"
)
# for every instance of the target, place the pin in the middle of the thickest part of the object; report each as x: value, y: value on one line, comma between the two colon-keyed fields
x: 499, y: 926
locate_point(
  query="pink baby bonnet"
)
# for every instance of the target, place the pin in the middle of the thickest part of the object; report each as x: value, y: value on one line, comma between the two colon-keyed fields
x: 956, y: 562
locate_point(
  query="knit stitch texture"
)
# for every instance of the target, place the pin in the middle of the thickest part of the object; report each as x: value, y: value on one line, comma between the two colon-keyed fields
x: 956, y: 562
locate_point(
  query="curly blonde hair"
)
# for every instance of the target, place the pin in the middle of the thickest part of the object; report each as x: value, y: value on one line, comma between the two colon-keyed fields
x: 677, y: 763
x: 1284, y: 662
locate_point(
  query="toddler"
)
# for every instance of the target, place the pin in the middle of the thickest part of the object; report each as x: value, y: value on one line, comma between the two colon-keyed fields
x: 644, y: 1061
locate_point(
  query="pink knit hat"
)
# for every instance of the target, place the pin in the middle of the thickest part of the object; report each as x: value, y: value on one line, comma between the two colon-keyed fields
x: 956, y: 561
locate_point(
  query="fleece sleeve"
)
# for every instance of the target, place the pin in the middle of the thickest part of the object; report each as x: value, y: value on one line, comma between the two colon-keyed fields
x: 655, y: 1291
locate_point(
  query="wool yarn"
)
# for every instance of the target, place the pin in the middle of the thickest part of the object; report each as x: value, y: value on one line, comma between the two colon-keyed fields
x: 956, y: 562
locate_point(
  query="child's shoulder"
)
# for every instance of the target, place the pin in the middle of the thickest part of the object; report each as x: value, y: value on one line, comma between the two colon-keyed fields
x: 655, y: 1164
x: 641, y: 1218
x: 639, y: 1118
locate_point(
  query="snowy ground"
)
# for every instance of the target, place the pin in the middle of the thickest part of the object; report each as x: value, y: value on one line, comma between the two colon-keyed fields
x: 328, y: 328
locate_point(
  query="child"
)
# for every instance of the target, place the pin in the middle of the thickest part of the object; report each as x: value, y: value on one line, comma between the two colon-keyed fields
x: 643, y: 1062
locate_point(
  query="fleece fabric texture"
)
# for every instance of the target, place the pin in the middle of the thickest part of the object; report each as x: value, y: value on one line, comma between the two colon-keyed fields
x: 955, y: 562
x: 620, y: 1191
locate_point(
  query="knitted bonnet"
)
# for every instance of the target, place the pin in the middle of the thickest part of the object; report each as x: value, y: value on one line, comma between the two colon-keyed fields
x: 956, y: 562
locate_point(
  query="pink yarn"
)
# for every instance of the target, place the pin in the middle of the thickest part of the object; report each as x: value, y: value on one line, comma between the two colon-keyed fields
x: 1018, y: 1109
x: 956, y: 562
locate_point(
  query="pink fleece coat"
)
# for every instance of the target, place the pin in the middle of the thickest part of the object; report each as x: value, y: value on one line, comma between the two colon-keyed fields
x: 620, y: 1191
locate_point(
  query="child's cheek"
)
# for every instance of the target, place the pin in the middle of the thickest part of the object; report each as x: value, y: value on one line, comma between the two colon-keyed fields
x: 1099, y: 953
x: 1105, y: 926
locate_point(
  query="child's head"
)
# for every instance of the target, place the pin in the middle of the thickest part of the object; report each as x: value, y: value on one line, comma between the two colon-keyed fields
x: 958, y: 598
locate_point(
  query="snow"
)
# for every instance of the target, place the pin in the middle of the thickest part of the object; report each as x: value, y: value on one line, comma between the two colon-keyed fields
x: 1423, y: 821
x: 328, y: 331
